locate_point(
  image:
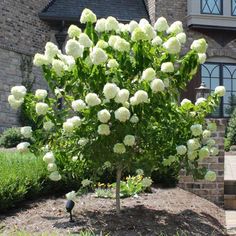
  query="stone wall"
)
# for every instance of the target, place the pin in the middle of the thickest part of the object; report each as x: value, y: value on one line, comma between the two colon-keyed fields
x: 22, y: 35
x: 213, y: 191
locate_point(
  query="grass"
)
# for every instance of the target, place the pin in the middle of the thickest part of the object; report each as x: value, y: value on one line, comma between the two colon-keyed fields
x: 21, y: 177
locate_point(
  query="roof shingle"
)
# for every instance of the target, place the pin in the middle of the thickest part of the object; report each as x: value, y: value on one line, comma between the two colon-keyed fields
x: 123, y: 10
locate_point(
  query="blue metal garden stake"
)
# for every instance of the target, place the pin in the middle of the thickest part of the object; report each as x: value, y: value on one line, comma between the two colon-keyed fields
x: 69, y: 206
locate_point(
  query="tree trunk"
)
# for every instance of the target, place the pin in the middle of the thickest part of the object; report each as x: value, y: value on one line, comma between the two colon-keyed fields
x: 118, y: 177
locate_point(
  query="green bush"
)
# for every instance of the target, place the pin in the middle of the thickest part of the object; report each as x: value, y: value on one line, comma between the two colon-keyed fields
x: 11, y: 137
x: 231, y: 132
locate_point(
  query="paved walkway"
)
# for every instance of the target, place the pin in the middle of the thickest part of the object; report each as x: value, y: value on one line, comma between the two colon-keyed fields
x: 230, y: 175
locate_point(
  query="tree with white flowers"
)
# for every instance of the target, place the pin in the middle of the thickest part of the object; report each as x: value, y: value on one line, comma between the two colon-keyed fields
x: 119, y: 86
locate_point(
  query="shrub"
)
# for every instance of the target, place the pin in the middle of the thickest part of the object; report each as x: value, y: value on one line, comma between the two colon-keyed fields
x: 231, y: 132
x: 11, y: 137
x: 120, y: 85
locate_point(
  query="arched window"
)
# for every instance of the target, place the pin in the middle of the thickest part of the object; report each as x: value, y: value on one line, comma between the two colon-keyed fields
x: 221, y: 73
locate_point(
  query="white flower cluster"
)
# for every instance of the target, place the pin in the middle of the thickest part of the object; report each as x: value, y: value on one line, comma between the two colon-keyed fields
x: 71, y: 124
x: 41, y: 108
x: 48, y: 125
x: 78, y: 105
x: 41, y: 94
x: 71, y: 196
x: 139, y: 97
x: 26, y: 131
x: 23, y: 147
x: 17, y: 96
x: 52, y: 167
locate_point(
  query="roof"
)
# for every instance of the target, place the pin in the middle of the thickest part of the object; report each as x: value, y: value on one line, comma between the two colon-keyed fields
x: 70, y: 10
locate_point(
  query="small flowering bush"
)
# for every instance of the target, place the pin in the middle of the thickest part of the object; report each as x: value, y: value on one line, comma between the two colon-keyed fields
x: 115, y: 95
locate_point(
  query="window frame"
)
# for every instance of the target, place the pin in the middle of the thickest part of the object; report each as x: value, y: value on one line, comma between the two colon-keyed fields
x: 233, y: 8
x: 217, y: 14
x: 221, y: 83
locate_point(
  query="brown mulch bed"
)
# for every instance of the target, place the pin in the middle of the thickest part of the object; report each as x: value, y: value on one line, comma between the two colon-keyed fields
x: 165, y: 210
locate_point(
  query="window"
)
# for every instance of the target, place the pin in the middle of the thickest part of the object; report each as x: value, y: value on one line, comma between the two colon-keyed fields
x: 215, y: 74
x: 233, y: 5
x: 214, y: 7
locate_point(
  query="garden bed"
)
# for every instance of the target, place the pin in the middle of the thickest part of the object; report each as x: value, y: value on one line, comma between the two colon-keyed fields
x: 164, y: 211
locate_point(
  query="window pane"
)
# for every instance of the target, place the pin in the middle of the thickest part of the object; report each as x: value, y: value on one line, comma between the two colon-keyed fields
x: 227, y: 84
x: 211, y: 7
x: 227, y: 110
x: 234, y: 7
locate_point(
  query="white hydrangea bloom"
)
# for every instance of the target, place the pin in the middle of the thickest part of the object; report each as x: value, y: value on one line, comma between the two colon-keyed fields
x: 206, y: 134
x: 210, y: 176
x: 175, y: 28
x: 122, y: 96
x: 204, y: 153
x: 112, y: 63
x: 110, y: 90
x: 40, y: 59
x: 14, y: 103
x: 49, y: 157
x: 196, y: 130
x: 100, y: 26
x: 202, y: 58
x: 52, y: 167
x: 199, y: 45
x: 41, y: 94
x: 185, y: 101
x: 150, y: 32
x: 193, y: 144
x: 157, y: 41
x: 98, y: 56
x: 214, y: 151
x: 102, y: 44
x: 119, y: 148
x: 85, y: 40
x: 133, y: 101
x: 148, y: 74
x: 200, y: 100
x: 83, y: 141
x: 104, y: 116
x: 71, y: 196
x: 55, y: 176
x: 133, y: 25
x: 87, y: 16
x: 58, y: 66
x: 92, y: 99
x: 210, y: 142
x: 161, y: 24
x: 41, y: 108
x: 122, y: 114
x: 51, y: 50
x: 68, y: 60
x: 181, y: 150
x: 157, y: 85
x: 68, y: 126
x: 167, y: 67
x: 48, y: 125
x: 172, y: 45
x: 220, y: 91
x: 129, y: 140
x: 18, y: 92
x: 181, y: 37
x: 139, y: 35
x: 112, y: 40
x: 104, y: 129
x: 74, y: 31
x: 134, y: 119
x: 74, y: 158
x: 143, y: 22
x: 74, y: 48
x: 23, y: 147
x: 78, y: 105
x: 75, y: 120
x: 121, y: 45
x: 141, y: 96
x: 111, y: 24
x: 192, y: 155
x: 26, y: 131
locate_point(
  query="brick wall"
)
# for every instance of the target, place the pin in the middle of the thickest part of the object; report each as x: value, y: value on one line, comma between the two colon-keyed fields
x: 213, y: 191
